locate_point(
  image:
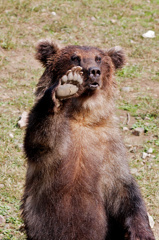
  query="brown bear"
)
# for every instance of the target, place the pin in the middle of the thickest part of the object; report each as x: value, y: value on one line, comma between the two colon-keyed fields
x: 78, y: 183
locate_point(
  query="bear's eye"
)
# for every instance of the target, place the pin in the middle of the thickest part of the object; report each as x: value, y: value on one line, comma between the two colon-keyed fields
x: 98, y: 59
x: 76, y: 59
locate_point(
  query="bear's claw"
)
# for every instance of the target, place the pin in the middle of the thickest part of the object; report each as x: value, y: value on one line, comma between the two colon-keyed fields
x: 74, y: 74
x: 70, y: 83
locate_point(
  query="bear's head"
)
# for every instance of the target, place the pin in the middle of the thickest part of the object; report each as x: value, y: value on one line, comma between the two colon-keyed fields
x: 97, y: 65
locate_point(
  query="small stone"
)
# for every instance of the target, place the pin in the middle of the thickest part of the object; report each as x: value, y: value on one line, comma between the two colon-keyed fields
x: 7, y: 11
x: 53, y: 13
x: 23, y: 121
x: 138, y: 131
x: 125, y: 129
x: 11, y: 135
x: 93, y: 18
x: 149, y: 34
x: 147, y: 118
x: 126, y: 89
x: 150, y: 150
x: 113, y: 21
x: 133, y: 150
x: 132, y: 41
x: 34, y: 90
x: 2, y: 220
x: 151, y: 221
x: 145, y: 155
x: 20, y: 145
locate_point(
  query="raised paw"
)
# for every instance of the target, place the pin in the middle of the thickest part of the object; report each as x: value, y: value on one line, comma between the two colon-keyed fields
x: 70, y: 83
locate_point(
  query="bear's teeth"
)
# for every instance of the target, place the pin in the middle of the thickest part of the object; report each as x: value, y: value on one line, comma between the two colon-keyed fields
x: 79, y: 79
x: 70, y: 76
x: 64, y: 78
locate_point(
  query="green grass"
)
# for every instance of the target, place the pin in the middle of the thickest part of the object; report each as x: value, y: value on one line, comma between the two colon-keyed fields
x: 87, y: 22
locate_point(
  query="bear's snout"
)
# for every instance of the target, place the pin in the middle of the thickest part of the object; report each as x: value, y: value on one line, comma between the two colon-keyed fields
x: 94, y: 78
x: 94, y: 72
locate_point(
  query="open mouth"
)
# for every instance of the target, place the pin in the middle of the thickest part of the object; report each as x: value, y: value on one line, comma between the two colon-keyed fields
x: 94, y: 85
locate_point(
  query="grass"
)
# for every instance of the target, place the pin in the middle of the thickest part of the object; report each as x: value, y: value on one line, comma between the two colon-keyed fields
x: 87, y: 22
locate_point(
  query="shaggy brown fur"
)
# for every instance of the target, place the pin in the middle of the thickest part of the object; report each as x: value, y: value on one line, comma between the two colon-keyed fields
x: 78, y: 184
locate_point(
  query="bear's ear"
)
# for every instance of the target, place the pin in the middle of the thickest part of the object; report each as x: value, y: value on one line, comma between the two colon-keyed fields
x: 118, y: 57
x: 44, y: 50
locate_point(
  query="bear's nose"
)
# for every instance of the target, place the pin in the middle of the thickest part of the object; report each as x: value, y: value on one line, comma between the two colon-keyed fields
x: 94, y: 72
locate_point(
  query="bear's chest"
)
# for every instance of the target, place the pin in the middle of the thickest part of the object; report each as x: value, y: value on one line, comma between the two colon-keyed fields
x: 88, y: 142
x: 81, y: 158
